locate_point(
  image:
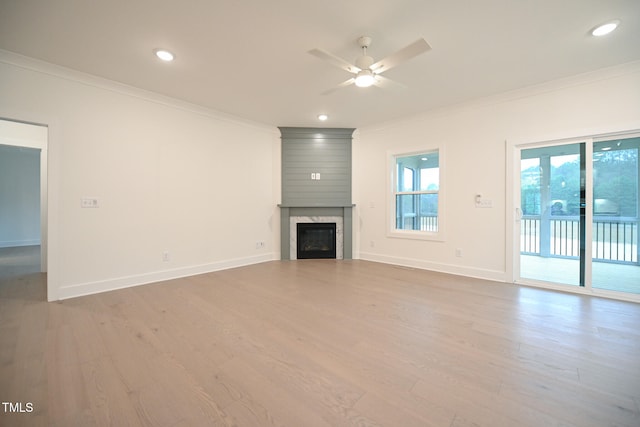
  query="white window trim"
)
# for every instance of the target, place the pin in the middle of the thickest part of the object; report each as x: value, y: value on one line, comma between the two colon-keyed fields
x: 438, y: 236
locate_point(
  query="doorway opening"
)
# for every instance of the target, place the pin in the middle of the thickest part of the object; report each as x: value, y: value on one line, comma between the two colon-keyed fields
x: 23, y: 205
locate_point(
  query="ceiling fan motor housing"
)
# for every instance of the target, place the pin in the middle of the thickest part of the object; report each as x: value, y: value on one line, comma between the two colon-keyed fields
x: 364, y: 62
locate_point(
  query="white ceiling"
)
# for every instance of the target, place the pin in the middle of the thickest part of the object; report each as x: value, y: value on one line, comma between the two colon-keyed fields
x: 250, y: 57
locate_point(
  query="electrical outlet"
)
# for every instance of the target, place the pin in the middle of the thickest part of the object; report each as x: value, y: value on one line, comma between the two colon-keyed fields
x: 89, y: 202
x: 260, y: 245
x: 166, y: 257
x: 459, y: 252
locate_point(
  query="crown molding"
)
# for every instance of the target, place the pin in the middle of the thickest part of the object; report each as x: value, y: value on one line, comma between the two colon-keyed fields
x: 595, y: 76
x: 42, y: 67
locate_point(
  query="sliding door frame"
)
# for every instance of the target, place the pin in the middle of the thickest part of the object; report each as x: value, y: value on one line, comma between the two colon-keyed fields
x: 513, y: 151
x: 513, y: 214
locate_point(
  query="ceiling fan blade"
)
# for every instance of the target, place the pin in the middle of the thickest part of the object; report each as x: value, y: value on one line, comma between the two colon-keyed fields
x: 414, y: 49
x: 386, y: 83
x: 340, y: 86
x: 331, y: 58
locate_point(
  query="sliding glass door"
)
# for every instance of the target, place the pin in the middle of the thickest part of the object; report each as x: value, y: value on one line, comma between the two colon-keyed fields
x: 615, y: 247
x: 577, y: 220
x: 552, y: 217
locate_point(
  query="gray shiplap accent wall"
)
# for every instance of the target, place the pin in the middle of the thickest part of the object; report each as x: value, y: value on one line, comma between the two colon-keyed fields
x: 311, y: 150
x: 316, y: 150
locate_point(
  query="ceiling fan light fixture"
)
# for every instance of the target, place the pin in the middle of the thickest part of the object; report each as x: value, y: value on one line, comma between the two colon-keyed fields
x: 606, y: 28
x: 364, y: 78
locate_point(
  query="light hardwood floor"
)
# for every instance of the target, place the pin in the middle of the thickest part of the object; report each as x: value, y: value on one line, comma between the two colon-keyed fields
x: 319, y: 343
x: 19, y: 261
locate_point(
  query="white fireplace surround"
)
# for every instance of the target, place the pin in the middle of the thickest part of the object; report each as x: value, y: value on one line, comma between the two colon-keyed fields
x: 293, y: 232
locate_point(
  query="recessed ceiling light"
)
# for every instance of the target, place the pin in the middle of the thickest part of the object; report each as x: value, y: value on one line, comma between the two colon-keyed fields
x: 322, y: 117
x: 606, y: 28
x: 164, y: 54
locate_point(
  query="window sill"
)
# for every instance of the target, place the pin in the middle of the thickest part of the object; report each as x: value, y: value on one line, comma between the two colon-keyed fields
x: 416, y: 235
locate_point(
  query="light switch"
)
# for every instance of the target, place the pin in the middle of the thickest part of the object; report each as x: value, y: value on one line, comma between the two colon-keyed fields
x: 318, y: 175
x: 484, y: 203
x: 313, y: 175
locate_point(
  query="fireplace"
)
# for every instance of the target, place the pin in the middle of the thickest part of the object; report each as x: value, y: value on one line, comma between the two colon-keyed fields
x: 292, y: 235
x: 316, y: 240
x: 316, y: 187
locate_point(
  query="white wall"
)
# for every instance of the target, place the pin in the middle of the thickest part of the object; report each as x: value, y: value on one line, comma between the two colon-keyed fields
x: 19, y: 196
x: 169, y: 176
x: 474, y: 138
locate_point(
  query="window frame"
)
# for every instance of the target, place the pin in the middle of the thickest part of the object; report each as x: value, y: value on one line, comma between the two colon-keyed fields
x: 392, y: 193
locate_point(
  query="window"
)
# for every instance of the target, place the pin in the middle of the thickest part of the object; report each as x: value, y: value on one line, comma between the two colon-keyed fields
x: 416, y: 195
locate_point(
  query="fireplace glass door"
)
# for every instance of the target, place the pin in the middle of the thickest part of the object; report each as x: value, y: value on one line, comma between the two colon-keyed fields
x: 316, y: 240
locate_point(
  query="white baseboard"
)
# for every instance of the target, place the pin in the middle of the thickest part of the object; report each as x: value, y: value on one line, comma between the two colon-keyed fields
x: 90, y: 288
x: 478, y: 273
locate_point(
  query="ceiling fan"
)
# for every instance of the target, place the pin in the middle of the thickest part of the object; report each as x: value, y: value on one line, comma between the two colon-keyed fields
x: 367, y: 72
